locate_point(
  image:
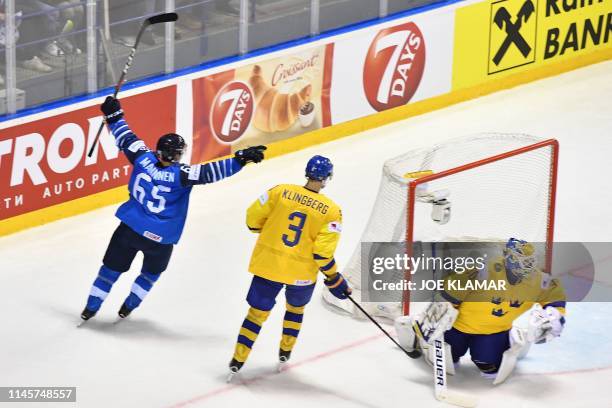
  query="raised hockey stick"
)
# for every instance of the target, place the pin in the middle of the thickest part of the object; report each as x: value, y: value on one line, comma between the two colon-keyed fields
x: 160, y: 18
x: 411, y: 354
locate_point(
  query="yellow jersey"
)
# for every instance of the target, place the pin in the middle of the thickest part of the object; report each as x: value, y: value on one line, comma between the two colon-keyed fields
x: 299, y: 230
x: 493, y: 311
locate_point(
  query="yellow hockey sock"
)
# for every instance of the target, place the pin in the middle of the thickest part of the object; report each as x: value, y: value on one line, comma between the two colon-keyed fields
x: 291, y: 326
x: 249, y: 332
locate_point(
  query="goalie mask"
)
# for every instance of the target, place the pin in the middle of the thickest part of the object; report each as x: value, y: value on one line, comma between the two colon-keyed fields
x: 519, y: 258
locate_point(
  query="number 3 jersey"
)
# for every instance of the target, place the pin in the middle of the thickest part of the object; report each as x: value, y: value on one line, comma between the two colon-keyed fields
x: 159, y: 196
x: 299, y: 230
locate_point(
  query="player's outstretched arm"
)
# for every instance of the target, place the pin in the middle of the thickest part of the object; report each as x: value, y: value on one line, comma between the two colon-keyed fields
x: 125, y: 139
x: 221, y: 169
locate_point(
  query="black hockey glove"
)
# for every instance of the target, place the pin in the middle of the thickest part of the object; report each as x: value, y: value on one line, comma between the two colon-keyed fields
x: 253, y: 154
x: 111, y: 109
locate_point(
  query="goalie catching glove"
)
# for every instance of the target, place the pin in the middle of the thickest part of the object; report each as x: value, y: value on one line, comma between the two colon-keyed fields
x: 337, y: 286
x: 545, y: 324
x: 253, y: 154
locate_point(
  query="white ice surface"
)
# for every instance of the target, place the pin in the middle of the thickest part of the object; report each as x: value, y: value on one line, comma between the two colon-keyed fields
x: 174, y: 350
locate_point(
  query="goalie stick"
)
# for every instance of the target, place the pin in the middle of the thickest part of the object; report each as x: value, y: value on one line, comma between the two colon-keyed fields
x: 411, y: 354
x: 435, y: 338
x: 441, y: 391
x: 157, y: 19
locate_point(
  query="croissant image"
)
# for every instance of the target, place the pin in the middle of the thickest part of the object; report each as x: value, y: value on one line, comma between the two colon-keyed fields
x: 275, y: 111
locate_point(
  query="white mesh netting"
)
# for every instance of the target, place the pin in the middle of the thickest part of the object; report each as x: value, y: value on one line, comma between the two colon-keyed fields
x: 491, y: 202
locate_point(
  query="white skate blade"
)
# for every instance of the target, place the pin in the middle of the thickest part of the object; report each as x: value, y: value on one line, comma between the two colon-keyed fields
x: 230, y: 376
x: 282, y: 366
x: 81, y: 323
x: 119, y: 319
x: 457, y: 399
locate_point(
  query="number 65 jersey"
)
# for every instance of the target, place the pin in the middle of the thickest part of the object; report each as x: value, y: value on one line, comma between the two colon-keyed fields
x: 159, y: 196
x: 299, y: 230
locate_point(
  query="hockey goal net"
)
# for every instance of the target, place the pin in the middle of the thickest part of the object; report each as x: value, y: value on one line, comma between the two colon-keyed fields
x: 490, y: 187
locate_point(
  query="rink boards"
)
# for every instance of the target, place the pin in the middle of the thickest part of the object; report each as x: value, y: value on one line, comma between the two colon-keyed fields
x: 310, y: 92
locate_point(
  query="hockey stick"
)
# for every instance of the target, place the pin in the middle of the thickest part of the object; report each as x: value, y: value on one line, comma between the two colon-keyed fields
x: 442, y: 392
x: 160, y: 18
x: 435, y: 338
x: 411, y: 354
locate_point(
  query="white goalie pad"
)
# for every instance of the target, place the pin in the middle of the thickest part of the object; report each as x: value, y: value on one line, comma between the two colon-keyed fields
x: 405, y: 333
x: 435, y: 320
x: 519, y: 347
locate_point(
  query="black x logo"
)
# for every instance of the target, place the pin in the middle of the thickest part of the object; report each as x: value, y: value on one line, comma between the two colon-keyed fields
x: 503, y: 20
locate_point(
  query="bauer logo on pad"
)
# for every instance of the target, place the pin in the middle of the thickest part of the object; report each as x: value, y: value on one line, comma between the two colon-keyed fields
x: 512, y: 38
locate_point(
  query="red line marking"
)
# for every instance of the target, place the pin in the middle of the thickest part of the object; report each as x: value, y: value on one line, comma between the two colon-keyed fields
x: 579, y: 371
x: 349, y: 346
x: 231, y: 387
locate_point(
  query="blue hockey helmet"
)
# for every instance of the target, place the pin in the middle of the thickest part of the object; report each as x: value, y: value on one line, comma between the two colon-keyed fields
x: 319, y: 168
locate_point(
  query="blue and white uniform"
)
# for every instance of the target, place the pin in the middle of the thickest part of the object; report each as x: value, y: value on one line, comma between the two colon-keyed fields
x: 153, y: 218
x: 159, y: 196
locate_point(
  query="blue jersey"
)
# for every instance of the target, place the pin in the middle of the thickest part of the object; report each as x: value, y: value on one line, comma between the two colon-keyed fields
x: 159, y: 196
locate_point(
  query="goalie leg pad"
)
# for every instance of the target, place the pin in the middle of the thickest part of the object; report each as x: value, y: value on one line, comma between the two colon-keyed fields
x: 519, y: 339
x: 429, y: 352
x: 520, y: 345
x: 405, y: 333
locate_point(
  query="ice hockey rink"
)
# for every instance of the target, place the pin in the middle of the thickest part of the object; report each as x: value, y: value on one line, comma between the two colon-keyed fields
x: 174, y: 350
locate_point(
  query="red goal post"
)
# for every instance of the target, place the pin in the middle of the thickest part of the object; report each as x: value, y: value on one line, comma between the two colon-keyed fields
x: 486, y: 188
x: 551, y: 144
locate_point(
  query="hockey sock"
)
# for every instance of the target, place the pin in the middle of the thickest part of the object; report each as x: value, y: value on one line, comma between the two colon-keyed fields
x: 291, y: 326
x: 249, y: 332
x: 140, y: 288
x: 101, y: 287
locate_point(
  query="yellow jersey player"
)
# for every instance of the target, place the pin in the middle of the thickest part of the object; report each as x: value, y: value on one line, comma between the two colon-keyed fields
x: 299, y: 229
x: 481, y: 321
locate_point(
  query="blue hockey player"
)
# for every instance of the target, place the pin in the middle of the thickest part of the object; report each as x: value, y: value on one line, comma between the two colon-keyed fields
x: 153, y: 218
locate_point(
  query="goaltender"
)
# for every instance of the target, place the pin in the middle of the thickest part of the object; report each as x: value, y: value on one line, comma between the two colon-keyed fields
x: 481, y: 321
